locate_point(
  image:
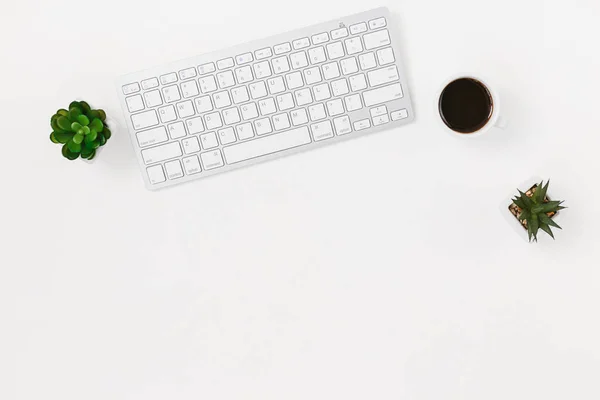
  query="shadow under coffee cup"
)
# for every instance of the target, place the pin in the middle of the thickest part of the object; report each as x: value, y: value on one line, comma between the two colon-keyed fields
x: 468, y: 107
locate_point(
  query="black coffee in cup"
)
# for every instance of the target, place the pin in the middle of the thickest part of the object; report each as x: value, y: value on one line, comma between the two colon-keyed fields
x: 466, y: 105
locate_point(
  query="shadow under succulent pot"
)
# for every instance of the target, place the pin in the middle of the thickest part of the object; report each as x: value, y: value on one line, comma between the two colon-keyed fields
x: 81, y: 130
x: 534, y: 210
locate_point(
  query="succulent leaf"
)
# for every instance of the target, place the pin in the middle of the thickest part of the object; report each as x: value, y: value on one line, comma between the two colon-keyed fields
x: 74, y: 113
x: 546, y: 229
x: 63, y: 137
x: 54, y: 125
x: 63, y: 123
x: 97, y: 125
x: 102, y: 115
x: 86, y: 151
x: 75, y: 126
x: 85, y: 107
x: 548, y: 221
x: 74, y: 104
x: 74, y: 146
x: 53, y: 138
x: 68, y: 153
x: 78, y: 138
x: 83, y: 120
x: 106, y: 132
x: 90, y: 137
x: 62, y: 112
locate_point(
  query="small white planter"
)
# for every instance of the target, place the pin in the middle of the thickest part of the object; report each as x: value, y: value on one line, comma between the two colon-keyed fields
x: 515, y: 223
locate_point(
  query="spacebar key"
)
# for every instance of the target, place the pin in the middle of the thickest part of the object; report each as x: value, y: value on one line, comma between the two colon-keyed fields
x: 267, y: 145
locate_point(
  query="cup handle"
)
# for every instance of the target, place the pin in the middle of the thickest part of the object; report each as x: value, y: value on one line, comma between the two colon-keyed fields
x: 501, y: 123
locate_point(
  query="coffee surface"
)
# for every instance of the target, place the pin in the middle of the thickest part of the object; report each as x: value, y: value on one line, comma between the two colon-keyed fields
x: 465, y: 105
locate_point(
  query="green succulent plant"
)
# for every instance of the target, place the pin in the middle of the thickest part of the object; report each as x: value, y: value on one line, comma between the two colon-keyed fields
x: 80, y: 130
x: 535, y: 210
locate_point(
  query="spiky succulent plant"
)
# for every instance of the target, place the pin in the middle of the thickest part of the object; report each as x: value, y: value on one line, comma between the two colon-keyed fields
x: 535, y: 211
x: 80, y: 130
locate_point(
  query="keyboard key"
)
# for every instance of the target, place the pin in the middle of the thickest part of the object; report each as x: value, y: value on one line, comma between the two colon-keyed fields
x: 249, y: 111
x: 161, y: 153
x: 167, y: 114
x: 282, y: 48
x: 150, y: 83
x: 317, y: 55
x: 168, y: 78
x: 358, y: 82
x: 187, y: 73
x: 231, y: 116
x: 342, y: 125
x: 383, y: 75
x: 353, y: 45
x: 171, y: 94
x: 303, y: 97
x: 298, y: 60
x: 377, y: 39
x: 263, y: 126
x: 177, y: 130
x: 208, y: 84
x: 281, y: 121
x: 320, y: 38
x: 189, y: 89
x: 317, y: 112
x: 244, y: 58
x: 226, y: 136
x: 225, y: 63
x: 321, y: 130
x: 153, y: 98
x: 156, y: 174
x: 399, y: 114
x: 367, y: 61
x: 191, y: 145
x: 203, y: 104
x: 312, y: 75
x: 258, y: 89
x: 244, y: 131
x: 222, y: 99
x: 294, y: 80
x: 385, y: 56
x: 382, y: 119
x: 262, y: 70
x: 353, y: 102
x: 377, y: 111
x: 267, y: 106
x: 349, y: 66
x: 195, y: 125
x: 267, y: 145
x: 135, y: 103
x: 339, y: 87
x: 209, y: 141
x: 330, y: 70
x: 191, y: 165
x: 225, y: 79
x: 362, y: 124
x: 276, y: 85
x: 301, y: 43
x: 185, y: 109
x: 299, y: 117
x: 335, y: 107
x: 339, y: 33
x: 321, y: 92
x: 358, y: 28
x: 212, y: 159
x: 144, y: 120
x: 280, y: 64
x: 206, y: 68
x: 285, y: 101
x: 377, y: 23
x: 244, y: 74
x: 240, y: 94
x: 335, y: 50
x: 152, y: 136
x: 263, y: 53
x: 213, y: 120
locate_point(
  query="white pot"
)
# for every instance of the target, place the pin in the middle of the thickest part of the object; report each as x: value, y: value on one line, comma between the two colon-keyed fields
x: 515, y: 223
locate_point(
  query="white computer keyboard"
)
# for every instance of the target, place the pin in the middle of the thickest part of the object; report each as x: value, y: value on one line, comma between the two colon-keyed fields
x: 265, y: 99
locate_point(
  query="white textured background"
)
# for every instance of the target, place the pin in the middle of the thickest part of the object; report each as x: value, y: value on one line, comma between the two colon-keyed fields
x: 380, y: 268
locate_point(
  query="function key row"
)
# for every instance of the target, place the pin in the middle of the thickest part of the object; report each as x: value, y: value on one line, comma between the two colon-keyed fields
x: 260, y: 54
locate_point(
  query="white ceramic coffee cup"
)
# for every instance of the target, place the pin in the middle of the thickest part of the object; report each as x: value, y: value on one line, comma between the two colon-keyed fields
x: 495, y: 121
